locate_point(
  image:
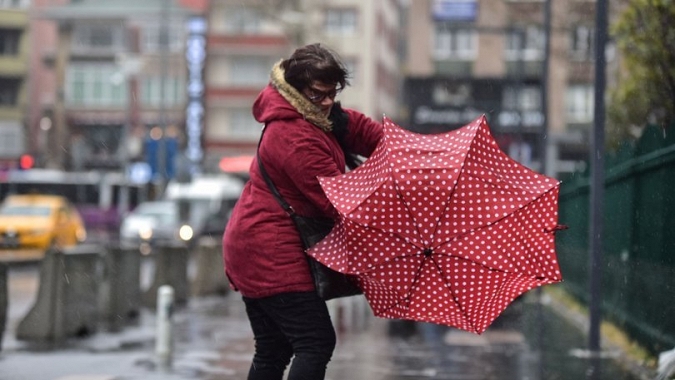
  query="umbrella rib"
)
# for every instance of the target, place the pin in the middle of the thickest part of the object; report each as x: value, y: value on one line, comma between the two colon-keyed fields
x: 477, y: 263
x: 400, y: 195
x: 408, y: 296
x: 452, y: 192
x: 462, y: 172
x: 452, y: 292
x: 429, y: 233
x: 519, y: 209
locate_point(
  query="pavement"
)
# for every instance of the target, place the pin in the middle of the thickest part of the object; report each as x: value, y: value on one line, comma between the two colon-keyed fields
x: 212, y: 340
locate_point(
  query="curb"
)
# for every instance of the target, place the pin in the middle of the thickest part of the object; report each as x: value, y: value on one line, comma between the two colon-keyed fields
x: 580, y: 319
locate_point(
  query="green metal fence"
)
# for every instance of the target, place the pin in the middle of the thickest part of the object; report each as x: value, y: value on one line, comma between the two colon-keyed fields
x: 638, y: 287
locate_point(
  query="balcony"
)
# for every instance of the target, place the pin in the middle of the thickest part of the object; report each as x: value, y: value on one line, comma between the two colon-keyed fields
x: 13, y: 66
x: 12, y: 18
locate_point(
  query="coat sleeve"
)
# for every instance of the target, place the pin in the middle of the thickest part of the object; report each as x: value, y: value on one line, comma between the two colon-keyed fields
x: 303, y: 157
x: 364, y: 133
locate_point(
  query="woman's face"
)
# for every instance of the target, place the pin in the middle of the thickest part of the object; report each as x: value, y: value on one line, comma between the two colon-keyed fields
x: 322, y: 95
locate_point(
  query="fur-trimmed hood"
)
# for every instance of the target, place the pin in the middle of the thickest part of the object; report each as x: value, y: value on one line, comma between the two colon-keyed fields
x: 270, y: 104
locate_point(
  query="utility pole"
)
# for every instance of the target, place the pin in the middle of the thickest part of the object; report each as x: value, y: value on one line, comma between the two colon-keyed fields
x: 519, y: 78
x: 543, y: 147
x: 56, y: 157
x: 597, y: 179
x: 164, y: 67
x: 130, y: 65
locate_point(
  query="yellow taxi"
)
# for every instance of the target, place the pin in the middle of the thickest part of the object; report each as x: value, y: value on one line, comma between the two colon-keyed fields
x: 39, y: 221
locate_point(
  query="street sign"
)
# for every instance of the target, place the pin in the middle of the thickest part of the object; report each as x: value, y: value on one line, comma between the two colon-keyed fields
x: 140, y: 173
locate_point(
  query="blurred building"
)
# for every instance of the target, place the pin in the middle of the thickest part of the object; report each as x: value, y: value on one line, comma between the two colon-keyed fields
x: 14, y: 42
x: 121, y: 74
x: 41, y: 79
x: 469, y: 57
x: 246, y: 38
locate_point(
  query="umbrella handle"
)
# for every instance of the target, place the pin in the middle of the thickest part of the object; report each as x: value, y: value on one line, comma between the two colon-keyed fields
x: 557, y: 228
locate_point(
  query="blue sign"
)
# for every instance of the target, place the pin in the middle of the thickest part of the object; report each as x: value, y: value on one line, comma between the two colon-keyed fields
x: 195, y: 55
x: 455, y: 10
x: 140, y: 173
x: 152, y: 150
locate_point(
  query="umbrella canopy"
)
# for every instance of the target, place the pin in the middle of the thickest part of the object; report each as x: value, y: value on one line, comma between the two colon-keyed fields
x: 442, y: 228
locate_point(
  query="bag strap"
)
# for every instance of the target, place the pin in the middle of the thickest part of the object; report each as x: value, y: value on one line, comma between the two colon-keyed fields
x: 287, y: 207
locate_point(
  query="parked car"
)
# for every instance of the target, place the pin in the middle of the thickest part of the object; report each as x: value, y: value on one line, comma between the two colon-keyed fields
x: 189, y: 210
x: 154, y: 221
x: 39, y: 221
x: 206, y: 202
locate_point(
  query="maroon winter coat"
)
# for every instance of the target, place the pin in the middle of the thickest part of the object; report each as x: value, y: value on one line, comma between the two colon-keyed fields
x: 262, y: 251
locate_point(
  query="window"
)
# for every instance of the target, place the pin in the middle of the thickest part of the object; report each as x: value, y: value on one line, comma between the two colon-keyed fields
x: 241, y: 20
x: 100, y: 37
x: 242, y: 123
x: 77, y: 86
x: 11, y: 139
x: 97, y: 36
x: 150, y: 40
x: 9, y: 88
x: 14, y: 3
x: 352, y: 66
x: 579, y: 101
x: 151, y: 91
x: 250, y: 71
x: 527, y: 44
x: 523, y: 98
x: 456, y: 43
x: 341, y: 21
x: 95, y: 85
x: 582, y: 43
x: 9, y: 41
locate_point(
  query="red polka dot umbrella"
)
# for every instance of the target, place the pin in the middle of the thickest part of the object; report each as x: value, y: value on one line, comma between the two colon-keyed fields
x: 442, y: 228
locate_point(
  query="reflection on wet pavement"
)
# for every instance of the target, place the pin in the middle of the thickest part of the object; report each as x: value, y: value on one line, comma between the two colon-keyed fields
x: 213, y: 341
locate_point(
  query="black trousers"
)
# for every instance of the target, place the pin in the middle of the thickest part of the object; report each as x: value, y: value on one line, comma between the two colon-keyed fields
x: 290, y: 325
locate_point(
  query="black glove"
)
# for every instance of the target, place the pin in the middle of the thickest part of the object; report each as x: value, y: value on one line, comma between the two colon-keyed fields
x: 340, y: 120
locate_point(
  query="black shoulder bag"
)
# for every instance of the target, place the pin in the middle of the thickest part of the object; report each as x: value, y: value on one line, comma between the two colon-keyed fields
x: 329, y: 283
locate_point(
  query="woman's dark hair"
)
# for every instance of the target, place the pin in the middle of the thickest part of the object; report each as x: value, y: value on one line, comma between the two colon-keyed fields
x: 314, y: 63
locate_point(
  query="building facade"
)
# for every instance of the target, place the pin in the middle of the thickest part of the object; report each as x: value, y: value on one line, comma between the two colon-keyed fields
x: 41, y: 79
x: 472, y: 57
x: 246, y: 39
x: 14, y: 44
x: 121, y: 71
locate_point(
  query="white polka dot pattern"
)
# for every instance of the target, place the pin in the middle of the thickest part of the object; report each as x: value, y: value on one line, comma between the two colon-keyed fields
x: 442, y: 228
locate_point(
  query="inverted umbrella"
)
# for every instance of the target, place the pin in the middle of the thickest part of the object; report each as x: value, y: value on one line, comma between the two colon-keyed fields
x: 442, y: 228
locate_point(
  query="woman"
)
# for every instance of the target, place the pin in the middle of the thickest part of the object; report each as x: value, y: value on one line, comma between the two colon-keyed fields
x: 306, y: 136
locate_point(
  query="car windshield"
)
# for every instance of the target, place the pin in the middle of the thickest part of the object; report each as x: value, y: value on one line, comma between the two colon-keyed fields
x: 162, y: 213
x: 25, y: 210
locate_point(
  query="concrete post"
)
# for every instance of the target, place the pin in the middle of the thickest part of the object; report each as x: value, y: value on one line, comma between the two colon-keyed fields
x: 67, y: 301
x: 210, y: 278
x: 123, y: 275
x: 4, y: 295
x: 171, y: 268
x: 164, y: 334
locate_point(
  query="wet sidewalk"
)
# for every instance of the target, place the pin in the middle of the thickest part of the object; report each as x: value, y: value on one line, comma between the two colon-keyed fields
x: 212, y: 340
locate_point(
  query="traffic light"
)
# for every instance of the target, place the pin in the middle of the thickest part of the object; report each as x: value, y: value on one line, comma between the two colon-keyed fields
x: 26, y: 161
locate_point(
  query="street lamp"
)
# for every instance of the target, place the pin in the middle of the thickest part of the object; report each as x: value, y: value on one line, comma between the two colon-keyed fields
x: 597, y: 177
x: 130, y: 65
